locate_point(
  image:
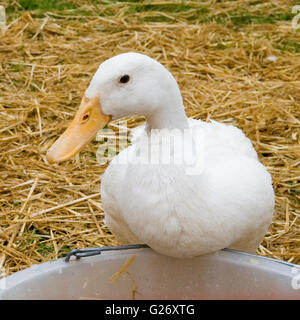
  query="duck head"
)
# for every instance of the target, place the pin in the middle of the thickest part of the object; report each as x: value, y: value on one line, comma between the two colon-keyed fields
x: 125, y: 85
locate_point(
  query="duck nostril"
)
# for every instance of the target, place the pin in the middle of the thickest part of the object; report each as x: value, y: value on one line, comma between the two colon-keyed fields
x: 85, y: 118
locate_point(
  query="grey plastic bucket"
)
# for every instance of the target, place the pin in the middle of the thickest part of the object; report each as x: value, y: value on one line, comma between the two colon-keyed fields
x: 226, y: 274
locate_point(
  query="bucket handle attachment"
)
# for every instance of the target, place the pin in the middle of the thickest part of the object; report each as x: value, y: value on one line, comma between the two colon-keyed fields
x: 87, y: 252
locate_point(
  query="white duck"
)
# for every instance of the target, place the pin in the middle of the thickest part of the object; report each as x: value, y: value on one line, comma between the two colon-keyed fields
x: 229, y: 203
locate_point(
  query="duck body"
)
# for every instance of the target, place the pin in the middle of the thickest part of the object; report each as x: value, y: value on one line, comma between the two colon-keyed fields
x: 230, y: 204
x: 218, y: 196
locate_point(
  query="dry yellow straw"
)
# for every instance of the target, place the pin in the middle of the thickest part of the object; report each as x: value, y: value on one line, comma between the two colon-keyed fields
x: 124, y: 268
x: 219, y: 52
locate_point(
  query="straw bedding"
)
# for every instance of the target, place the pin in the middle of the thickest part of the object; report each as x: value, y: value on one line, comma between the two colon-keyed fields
x: 218, y: 52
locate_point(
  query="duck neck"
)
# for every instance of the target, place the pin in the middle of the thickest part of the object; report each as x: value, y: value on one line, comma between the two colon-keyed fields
x: 168, y: 118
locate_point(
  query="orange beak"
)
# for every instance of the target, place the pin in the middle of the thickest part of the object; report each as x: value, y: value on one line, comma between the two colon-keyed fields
x: 88, y: 120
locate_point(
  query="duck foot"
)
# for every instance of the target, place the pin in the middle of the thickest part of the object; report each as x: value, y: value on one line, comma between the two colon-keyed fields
x: 87, y: 252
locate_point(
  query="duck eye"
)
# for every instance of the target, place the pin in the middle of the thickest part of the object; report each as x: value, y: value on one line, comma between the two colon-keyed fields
x: 125, y: 79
